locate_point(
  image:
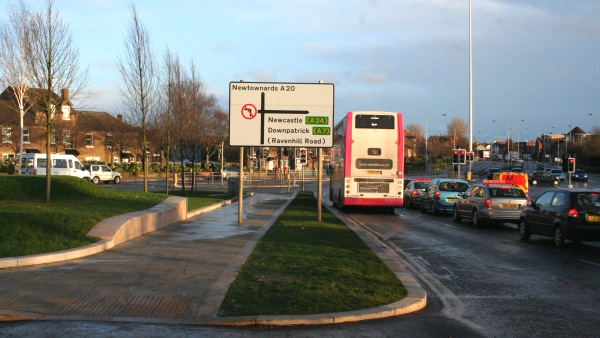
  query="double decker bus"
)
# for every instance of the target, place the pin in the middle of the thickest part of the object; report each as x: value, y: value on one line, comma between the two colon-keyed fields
x: 367, y: 160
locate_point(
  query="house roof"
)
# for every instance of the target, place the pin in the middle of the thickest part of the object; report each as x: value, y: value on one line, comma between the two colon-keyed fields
x: 34, y: 97
x: 95, y: 120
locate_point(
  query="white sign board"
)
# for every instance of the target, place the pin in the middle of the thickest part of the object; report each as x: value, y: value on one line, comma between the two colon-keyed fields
x: 277, y: 114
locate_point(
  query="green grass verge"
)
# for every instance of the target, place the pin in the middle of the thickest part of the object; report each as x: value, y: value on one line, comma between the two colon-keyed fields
x: 30, y: 226
x: 302, y: 266
x: 202, y: 198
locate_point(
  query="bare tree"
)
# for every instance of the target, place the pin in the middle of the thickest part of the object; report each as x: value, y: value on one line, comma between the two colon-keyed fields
x: 457, y: 129
x: 55, y: 67
x: 416, y: 130
x: 171, y: 64
x: 138, y: 71
x: 16, y: 75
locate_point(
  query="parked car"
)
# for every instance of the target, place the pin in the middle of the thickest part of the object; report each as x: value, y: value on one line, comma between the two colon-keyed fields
x: 490, y: 202
x: 441, y: 194
x: 491, y: 172
x: 414, y: 191
x: 579, y: 175
x: 230, y: 172
x: 563, y: 214
x: 101, y: 172
x: 558, y: 174
x: 542, y: 177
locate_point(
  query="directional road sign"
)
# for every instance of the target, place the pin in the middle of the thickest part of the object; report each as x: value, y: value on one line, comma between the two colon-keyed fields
x: 281, y: 114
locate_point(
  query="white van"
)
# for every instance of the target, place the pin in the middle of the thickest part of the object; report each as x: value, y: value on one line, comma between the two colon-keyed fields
x: 35, y: 164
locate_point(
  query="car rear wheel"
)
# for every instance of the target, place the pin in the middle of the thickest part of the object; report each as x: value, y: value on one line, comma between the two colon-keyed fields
x: 559, y: 237
x: 95, y: 180
x: 117, y: 180
x: 523, y: 231
x: 455, y: 214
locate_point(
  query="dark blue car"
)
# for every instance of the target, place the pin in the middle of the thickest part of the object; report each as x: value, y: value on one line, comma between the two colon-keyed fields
x: 579, y: 175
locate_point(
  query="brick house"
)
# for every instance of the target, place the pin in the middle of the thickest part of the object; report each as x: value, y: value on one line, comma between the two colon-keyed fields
x: 89, y: 135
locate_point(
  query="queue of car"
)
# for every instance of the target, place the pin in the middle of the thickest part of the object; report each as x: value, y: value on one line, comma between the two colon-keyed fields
x: 565, y: 214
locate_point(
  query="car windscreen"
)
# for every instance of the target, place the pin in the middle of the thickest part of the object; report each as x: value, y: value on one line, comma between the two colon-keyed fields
x: 454, y: 186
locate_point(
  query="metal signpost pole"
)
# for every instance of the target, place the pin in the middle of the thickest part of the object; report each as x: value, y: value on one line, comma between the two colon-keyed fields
x: 241, y: 186
x: 319, y: 183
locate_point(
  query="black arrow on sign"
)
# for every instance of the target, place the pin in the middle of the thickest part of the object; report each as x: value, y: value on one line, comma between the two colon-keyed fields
x: 262, y: 111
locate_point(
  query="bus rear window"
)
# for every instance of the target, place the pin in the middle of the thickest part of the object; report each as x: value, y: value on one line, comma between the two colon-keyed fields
x: 374, y: 121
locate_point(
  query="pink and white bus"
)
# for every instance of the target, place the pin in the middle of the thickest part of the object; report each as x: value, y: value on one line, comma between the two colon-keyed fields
x: 367, y: 160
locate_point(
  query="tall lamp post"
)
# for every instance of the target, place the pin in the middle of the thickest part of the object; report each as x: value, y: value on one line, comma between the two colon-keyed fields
x: 508, y: 136
x: 426, y: 138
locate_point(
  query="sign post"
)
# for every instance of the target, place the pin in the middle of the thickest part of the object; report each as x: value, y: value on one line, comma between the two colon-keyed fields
x: 291, y: 115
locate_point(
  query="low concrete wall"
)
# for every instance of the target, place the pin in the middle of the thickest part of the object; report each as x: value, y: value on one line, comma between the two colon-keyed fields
x: 122, y: 228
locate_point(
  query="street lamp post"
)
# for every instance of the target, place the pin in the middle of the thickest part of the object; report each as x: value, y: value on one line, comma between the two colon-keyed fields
x: 567, y: 142
x: 508, y: 137
x: 426, y: 139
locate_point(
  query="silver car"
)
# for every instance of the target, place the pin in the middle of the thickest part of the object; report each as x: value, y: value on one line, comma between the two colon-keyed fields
x: 413, y: 193
x: 490, y: 202
x: 558, y: 174
x: 230, y: 172
x: 101, y: 172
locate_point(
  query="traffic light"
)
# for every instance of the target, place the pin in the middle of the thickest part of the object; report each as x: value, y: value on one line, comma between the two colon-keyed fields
x: 571, y: 164
x: 470, y: 156
x: 303, y: 154
x: 455, y: 157
x: 462, y: 156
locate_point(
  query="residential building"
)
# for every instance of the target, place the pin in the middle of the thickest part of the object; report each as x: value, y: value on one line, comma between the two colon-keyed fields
x: 89, y: 135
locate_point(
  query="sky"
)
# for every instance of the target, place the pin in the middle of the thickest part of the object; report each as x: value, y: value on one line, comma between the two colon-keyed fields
x: 532, y: 60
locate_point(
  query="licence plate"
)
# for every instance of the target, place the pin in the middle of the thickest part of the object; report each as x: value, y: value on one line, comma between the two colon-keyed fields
x: 508, y: 206
x: 451, y: 200
x: 592, y: 218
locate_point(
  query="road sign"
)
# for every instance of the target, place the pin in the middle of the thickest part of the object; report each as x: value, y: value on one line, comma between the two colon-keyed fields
x: 281, y: 114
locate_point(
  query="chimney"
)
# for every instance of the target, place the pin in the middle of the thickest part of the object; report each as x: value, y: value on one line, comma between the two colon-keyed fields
x: 120, y: 117
x: 65, y: 94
